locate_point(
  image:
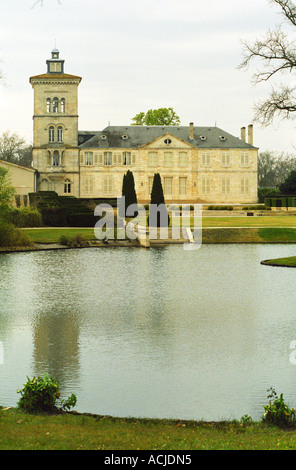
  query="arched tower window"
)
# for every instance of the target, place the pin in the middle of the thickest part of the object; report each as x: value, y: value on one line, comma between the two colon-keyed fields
x: 48, y: 105
x: 67, y: 187
x: 60, y: 134
x: 55, y: 108
x: 63, y: 105
x: 51, y: 134
x: 56, y: 158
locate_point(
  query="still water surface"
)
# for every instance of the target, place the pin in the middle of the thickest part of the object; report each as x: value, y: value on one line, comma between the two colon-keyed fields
x: 151, y: 333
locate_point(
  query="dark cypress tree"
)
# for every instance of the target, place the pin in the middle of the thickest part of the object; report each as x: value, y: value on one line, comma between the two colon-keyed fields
x: 129, y: 192
x: 157, y: 199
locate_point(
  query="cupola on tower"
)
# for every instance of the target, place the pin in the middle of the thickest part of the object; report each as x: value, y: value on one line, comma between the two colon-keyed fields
x: 55, y: 133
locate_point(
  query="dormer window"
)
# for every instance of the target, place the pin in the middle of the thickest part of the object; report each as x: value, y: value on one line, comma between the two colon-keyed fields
x: 124, y: 137
x: 103, y: 137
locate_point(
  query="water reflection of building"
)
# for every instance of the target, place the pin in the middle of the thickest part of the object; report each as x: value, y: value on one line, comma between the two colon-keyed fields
x: 56, y: 344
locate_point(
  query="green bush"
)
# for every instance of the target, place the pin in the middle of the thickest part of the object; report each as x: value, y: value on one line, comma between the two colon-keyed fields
x: 25, y: 217
x: 277, y: 411
x: 41, y: 394
x: 64, y: 240
x: 53, y: 216
x: 261, y: 207
x: 10, y: 236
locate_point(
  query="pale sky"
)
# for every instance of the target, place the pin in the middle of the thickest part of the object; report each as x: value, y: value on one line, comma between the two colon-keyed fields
x: 134, y: 55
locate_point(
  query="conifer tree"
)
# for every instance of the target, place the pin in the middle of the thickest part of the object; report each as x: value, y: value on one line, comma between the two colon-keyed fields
x: 157, y: 199
x: 129, y: 193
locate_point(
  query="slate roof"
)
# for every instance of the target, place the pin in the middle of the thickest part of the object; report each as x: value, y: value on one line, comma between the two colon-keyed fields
x: 137, y: 136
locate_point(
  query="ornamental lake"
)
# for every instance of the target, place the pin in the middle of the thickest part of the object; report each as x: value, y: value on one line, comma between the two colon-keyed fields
x: 160, y: 333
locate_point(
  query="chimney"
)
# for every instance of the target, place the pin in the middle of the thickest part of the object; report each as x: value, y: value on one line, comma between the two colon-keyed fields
x: 243, y: 134
x: 250, y: 134
x: 191, y: 131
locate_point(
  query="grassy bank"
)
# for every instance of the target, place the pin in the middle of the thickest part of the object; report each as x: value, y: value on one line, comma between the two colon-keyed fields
x: 74, y: 431
x: 210, y: 235
x: 289, y: 262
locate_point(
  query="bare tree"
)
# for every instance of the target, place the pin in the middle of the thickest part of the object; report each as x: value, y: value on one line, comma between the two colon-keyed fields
x: 276, y: 52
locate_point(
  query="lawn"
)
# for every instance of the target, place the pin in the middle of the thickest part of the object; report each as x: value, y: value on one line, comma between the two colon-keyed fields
x: 52, y: 234
x: 20, y: 431
x: 254, y: 221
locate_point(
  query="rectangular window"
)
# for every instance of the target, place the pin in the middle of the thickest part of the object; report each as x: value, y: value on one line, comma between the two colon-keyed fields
x: 168, y: 186
x: 245, y: 187
x: 206, y: 159
x: 89, y: 184
x: 168, y: 159
x: 183, y: 162
x: 226, y: 185
x: 206, y: 185
x: 152, y: 159
x: 127, y: 158
x: 225, y: 160
x: 108, y: 185
x: 245, y: 160
x: 107, y: 158
x: 182, y: 186
x: 88, y: 158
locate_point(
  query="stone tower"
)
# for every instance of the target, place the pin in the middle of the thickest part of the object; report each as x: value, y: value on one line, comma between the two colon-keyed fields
x: 55, y: 134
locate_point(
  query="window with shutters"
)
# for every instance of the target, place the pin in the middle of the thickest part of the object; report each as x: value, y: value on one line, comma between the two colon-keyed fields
x: 168, y: 186
x: 206, y: 185
x: 182, y: 186
x: 89, y: 185
x: 245, y: 160
x: 225, y: 159
x: 108, y: 185
x: 183, y: 161
x: 245, y: 186
x: 150, y: 183
x: 206, y: 159
x: 168, y: 159
x: 152, y: 159
x: 226, y: 185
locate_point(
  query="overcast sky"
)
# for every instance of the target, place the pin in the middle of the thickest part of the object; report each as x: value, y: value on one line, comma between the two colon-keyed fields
x: 134, y: 55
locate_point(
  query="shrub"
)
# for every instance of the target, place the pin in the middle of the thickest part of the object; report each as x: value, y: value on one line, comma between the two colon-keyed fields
x: 11, y: 236
x: 277, y: 411
x: 25, y: 217
x: 53, y: 216
x: 64, y: 240
x: 41, y: 394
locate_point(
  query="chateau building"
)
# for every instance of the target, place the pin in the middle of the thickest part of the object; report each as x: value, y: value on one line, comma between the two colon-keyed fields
x: 196, y: 164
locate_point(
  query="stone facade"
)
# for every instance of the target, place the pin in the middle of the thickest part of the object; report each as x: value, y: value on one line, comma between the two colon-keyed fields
x: 196, y: 164
x: 23, y: 180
